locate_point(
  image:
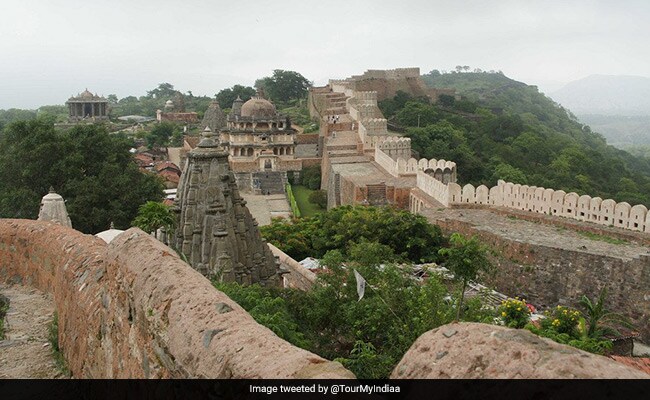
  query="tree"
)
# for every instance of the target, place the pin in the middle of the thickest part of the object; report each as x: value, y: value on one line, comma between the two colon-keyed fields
x: 410, y: 236
x: 319, y: 197
x: 284, y: 85
x: 92, y: 169
x: 446, y: 100
x: 154, y: 215
x: 226, y: 97
x: 311, y: 177
x: 465, y: 258
x: 160, y: 134
x: 163, y: 91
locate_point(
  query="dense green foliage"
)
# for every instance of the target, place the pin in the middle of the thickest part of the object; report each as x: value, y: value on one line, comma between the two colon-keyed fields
x: 155, y: 100
x: 503, y: 129
x: 283, y: 86
x: 368, y: 336
x: 465, y: 258
x: 303, y: 197
x: 599, y: 321
x: 319, y: 197
x: 311, y: 177
x: 226, y: 97
x: 154, y: 215
x: 163, y: 134
x: 92, y: 169
x: 410, y: 236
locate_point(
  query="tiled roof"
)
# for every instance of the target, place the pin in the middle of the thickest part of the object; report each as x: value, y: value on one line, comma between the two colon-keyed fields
x: 170, y: 176
x: 167, y: 165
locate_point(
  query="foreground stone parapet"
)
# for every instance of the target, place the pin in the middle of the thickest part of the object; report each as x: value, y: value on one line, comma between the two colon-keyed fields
x: 471, y: 350
x: 134, y: 309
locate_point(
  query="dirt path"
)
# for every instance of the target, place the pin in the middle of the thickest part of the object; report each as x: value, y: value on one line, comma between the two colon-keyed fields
x: 26, y: 352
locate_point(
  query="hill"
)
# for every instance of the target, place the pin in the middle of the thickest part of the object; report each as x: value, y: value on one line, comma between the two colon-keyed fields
x: 504, y: 129
x: 606, y: 95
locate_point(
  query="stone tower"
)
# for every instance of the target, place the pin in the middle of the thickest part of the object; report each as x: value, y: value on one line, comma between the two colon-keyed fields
x: 53, y: 209
x: 236, y: 106
x: 216, y: 232
x: 214, y: 117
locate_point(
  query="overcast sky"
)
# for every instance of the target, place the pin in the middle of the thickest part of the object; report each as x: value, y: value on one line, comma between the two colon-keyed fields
x: 51, y: 49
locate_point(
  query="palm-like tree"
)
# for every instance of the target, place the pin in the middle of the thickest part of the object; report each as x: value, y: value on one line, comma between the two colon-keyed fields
x: 600, y: 321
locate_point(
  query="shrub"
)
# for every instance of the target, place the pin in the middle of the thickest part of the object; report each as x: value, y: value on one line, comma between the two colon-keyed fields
x: 562, y: 320
x: 514, y: 313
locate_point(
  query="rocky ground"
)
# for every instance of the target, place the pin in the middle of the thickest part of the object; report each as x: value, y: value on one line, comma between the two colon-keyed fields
x: 26, y: 352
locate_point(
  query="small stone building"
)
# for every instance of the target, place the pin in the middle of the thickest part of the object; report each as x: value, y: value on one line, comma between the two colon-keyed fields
x: 87, y: 106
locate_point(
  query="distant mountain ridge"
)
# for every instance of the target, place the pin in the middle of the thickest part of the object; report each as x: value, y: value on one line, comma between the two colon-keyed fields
x: 606, y: 95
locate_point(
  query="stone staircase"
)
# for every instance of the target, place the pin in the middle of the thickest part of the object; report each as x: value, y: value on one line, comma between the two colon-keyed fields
x: 336, y: 103
x: 272, y: 182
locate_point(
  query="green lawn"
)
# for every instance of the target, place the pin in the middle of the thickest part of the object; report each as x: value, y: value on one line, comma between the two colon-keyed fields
x: 307, y: 209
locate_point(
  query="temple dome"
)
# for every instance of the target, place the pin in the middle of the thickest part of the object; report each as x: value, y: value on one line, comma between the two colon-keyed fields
x: 86, y: 95
x: 258, y: 107
x: 109, y: 234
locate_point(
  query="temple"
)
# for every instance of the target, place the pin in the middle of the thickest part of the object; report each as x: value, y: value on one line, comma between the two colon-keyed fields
x: 255, y: 133
x: 216, y: 231
x: 87, y: 106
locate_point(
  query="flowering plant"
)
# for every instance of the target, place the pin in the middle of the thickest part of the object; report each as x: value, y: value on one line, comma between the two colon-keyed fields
x: 563, y: 320
x: 514, y: 313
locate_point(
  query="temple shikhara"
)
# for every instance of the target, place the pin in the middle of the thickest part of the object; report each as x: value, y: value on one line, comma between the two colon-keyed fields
x: 87, y: 106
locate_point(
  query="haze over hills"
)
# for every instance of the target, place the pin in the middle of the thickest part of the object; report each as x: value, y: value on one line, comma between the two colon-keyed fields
x: 528, y: 139
x: 617, y: 106
x: 607, y: 95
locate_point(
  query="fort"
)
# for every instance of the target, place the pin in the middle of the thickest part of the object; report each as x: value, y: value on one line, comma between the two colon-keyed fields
x: 132, y: 308
x: 365, y: 163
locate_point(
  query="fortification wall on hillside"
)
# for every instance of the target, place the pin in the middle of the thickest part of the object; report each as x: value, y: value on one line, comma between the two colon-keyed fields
x: 133, y: 309
x: 558, y: 202
x: 391, y: 155
x: 550, y: 276
x: 545, y: 201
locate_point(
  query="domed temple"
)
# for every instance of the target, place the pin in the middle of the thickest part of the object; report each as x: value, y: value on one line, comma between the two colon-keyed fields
x: 87, y: 106
x: 261, y: 144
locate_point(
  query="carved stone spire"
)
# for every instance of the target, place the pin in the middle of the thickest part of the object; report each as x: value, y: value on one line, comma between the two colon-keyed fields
x: 216, y: 232
x: 53, y: 209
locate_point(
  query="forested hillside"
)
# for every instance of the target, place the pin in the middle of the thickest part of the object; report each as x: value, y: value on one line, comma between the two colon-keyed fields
x: 504, y: 129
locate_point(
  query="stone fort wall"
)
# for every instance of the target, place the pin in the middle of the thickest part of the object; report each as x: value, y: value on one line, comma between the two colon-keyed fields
x: 545, y: 201
x: 550, y: 276
x: 391, y: 155
x: 133, y: 309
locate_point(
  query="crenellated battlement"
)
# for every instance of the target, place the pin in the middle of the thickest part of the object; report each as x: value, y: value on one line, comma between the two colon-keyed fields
x: 551, y: 202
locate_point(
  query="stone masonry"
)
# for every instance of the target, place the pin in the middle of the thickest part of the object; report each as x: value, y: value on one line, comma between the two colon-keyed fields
x: 216, y: 232
x: 134, y: 309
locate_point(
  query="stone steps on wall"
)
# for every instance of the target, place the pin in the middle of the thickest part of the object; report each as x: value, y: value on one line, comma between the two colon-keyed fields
x: 272, y: 182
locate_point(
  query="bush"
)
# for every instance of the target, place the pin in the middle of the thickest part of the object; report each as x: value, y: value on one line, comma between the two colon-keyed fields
x: 514, y: 313
x: 319, y: 197
x: 311, y: 177
x: 562, y: 320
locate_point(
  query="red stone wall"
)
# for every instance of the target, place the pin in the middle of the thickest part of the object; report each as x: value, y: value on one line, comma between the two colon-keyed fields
x: 133, y: 309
